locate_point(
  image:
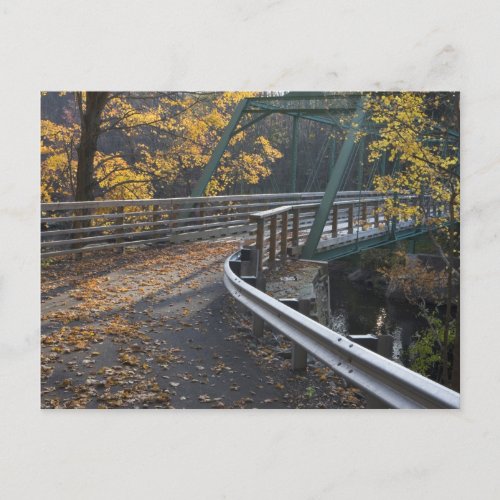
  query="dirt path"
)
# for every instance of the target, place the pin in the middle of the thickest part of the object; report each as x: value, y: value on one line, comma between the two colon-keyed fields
x: 155, y: 328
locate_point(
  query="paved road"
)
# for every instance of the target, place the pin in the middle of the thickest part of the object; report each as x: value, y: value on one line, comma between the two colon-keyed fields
x: 155, y: 328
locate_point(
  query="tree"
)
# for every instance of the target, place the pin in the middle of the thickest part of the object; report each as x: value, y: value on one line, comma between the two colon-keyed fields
x: 133, y: 145
x: 90, y: 107
x: 420, y: 130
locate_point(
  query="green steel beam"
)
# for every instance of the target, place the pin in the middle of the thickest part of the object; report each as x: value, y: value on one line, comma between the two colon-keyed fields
x: 213, y: 163
x: 251, y: 122
x: 302, y: 96
x: 277, y: 109
x: 332, y: 187
x: 362, y: 245
x: 313, y: 111
x: 295, y: 145
x: 361, y: 151
x: 331, y: 163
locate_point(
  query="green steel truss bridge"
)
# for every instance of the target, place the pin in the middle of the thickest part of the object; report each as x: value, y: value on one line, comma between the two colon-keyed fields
x: 342, y: 112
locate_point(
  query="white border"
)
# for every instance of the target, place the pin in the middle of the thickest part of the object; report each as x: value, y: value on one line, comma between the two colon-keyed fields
x: 255, y: 45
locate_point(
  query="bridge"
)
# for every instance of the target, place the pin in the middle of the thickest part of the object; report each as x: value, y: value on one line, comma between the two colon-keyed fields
x: 190, y: 245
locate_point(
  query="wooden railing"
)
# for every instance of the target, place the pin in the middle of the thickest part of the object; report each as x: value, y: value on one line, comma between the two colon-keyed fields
x: 77, y: 227
x: 291, y: 224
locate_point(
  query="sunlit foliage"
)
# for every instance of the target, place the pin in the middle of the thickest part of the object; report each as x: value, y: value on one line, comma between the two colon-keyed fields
x: 413, y: 131
x: 153, y: 145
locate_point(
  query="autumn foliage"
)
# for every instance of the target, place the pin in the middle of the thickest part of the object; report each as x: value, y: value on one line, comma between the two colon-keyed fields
x: 149, y: 145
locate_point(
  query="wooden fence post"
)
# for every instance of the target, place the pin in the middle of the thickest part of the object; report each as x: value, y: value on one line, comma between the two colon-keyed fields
x: 284, y: 236
x: 156, y: 215
x: 173, y: 215
x: 77, y: 224
x: 350, y: 219
x: 259, y: 243
x: 119, y: 223
x: 272, y: 241
x: 335, y: 218
x: 295, y: 228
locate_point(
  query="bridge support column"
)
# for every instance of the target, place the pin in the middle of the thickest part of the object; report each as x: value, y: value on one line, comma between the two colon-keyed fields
x: 332, y: 187
x: 384, y: 346
x: 411, y: 245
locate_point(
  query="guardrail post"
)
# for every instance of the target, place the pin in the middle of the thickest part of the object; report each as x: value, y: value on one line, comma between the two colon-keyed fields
x: 259, y: 244
x: 373, y: 403
x: 258, y: 322
x: 295, y: 228
x: 384, y: 346
x: 350, y: 219
x: 119, y: 223
x: 272, y: 241
x: 335, y: 218
x: 299, y: 354
x: 284, y: 236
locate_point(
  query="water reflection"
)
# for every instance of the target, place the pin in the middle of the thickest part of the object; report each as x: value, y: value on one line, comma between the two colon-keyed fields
x: 358, y: 311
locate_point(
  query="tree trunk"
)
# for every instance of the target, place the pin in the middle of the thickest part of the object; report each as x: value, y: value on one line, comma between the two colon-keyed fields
x: 90, y: 108
x: 455, y: 374
x: 90, y: 117
x: 448, y: 319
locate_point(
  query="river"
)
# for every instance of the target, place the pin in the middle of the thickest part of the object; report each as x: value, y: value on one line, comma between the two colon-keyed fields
x: 356, y: 310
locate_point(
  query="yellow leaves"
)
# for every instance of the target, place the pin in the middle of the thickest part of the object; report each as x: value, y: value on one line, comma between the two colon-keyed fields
x: 268, y: 150
x: 408, y: 133
x: 58, y: 159
x: 152, y: 143
x: 119, y: 179
x: 128, y: 359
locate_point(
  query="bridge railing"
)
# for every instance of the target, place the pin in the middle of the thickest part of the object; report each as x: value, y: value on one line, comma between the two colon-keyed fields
x: 290, y: 224
x: 386, y: 383
x: 77, y: 227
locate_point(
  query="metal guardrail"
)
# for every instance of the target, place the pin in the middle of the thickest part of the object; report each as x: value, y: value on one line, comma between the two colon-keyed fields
x: 393, y: 385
